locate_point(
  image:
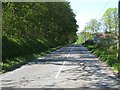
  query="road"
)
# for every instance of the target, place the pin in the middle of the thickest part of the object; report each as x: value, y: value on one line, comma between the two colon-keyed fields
x: 68, y: 67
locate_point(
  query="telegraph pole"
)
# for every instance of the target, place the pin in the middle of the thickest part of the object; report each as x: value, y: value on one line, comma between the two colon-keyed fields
x: 119, y: 30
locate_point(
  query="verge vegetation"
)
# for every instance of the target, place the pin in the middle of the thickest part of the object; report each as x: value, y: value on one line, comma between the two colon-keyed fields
x: 105, y: 51
x: 101, y: 37
x: 31, y: 28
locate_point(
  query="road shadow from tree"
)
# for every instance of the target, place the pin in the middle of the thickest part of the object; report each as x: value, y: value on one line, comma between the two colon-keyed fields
x: 87, y: 67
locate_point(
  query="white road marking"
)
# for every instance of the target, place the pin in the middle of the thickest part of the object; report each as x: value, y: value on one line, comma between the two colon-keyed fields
x: 59, y: 70
x: 62, y: 65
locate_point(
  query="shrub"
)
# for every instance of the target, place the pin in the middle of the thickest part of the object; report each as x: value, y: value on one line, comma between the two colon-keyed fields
x: 117, y: 66
x: 89, y: 42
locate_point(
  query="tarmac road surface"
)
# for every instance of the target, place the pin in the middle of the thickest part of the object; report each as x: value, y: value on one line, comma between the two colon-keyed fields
x: 68, y: 67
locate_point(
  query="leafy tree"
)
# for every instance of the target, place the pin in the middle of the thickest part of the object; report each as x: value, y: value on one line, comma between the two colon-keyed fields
x: 93, y: 26
x: 111, y: 20
x: 53, y: 22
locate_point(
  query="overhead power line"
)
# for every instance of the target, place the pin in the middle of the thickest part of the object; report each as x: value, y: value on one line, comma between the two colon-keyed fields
x: 103, y: 8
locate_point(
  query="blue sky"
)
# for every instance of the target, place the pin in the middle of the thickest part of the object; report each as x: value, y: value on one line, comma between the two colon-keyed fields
x: 88, y: 9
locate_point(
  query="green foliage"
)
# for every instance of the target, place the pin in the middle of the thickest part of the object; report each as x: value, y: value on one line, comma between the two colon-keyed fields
x: 117, y: 66
x: 33, y: 27
x: 109, y: 45
x: 85, y: 35
x: 106, y: 48
x: 80, y: 39
x: 30, y: 28
x: 89, y: 42
x: 13, y: 63
x: 40, y: 20
x: 92, y: 26
x: 105, y: 55
x: 110, y: 19
x: 107, y: 24
x: 14, y: 47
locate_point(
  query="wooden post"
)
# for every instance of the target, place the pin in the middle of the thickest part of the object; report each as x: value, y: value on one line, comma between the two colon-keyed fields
x: 119, y: 30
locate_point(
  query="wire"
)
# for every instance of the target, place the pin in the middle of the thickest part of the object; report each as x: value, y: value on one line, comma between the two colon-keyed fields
x: 103, y: 9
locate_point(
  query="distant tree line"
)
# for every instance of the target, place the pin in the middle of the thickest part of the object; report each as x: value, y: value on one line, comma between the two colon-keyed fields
x: 104, y: 33
x: 107, y: 24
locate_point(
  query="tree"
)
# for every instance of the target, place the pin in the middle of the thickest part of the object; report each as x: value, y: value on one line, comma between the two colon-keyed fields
x: 110, y: 20
x: 52, y: 21
x: 93, y: 26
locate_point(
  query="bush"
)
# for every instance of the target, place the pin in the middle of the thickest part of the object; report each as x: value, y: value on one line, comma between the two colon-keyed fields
x: 89, y: 42
x: 110, y: 60
x: 117, y: 66
x: 106, y: 54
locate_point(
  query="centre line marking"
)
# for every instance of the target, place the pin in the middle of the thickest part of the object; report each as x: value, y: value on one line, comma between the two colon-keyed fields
x: 59, y: 70
x: 62, y: 65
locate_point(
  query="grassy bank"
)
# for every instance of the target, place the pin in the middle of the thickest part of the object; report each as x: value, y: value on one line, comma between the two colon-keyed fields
x: 16, y: 62
x: 105, y: 50
x: 18, y: 51
x: 80, y: 40
x: 104, y: 55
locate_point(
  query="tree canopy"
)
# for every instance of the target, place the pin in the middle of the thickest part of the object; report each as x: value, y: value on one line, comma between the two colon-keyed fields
x: 30, y: 27
x: 93, y: 26
x: 54, y: 21
x: 110, y: 19
x: 108, y: 23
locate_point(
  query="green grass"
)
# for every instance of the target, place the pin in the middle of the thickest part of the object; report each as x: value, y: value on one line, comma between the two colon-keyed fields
x: 15, y: 47
x: 16, y: 62
x: 105, y: 56
x: 80, y: 40
x: 18, y: 51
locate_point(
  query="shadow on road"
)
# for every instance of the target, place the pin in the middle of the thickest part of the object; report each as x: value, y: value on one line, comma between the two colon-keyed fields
x: 82, y: 66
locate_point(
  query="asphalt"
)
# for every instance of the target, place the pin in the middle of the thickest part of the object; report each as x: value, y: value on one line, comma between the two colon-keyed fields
x: 68, y: 67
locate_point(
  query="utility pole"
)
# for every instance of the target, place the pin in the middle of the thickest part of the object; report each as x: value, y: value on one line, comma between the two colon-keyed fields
x: 119, y: 30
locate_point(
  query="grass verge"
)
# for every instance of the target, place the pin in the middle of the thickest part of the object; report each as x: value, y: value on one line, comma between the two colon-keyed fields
x: 16, y: 62
x: 110, y: 59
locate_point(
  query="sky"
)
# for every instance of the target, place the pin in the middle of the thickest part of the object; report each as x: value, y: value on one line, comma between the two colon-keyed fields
x: 86, y: 10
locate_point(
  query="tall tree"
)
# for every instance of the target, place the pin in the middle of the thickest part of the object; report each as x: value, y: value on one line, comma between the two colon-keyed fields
x: 110, y: 19
x: 52, y: 21
x: 93, y: 26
